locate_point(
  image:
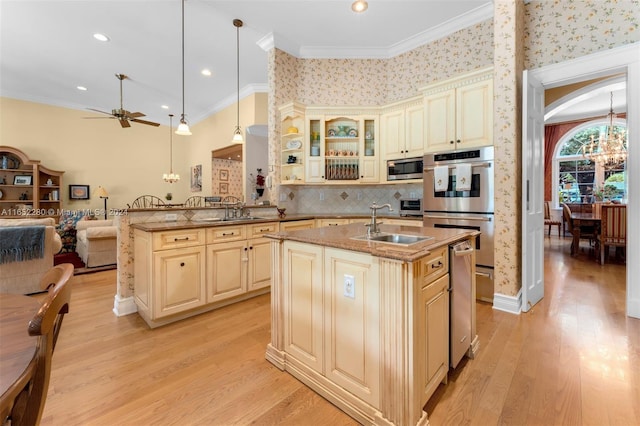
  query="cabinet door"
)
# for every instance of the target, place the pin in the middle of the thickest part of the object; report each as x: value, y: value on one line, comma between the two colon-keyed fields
x: 414, y: 131
x: 369, y: 170
x: 178, y: 277
x: 392, y: 128
x: 303, y: 303
x: 474, y: 105
x: 440, y: 114
x: 226, y: 270
x: 259, y: 273
x: 352, y: 323
x: 433, y: 335
x: 315, y: 170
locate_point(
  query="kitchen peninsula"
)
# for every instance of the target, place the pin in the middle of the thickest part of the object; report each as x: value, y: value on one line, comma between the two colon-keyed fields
x: 365, y: 323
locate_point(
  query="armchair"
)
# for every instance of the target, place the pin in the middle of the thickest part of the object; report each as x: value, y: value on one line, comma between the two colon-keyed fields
x: 23, y: 277
x: 97, y: 242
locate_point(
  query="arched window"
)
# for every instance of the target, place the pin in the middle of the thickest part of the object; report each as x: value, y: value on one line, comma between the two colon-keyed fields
x: 578, y: 179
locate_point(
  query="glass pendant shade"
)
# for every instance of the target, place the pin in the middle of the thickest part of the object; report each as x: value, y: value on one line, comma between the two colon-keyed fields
x: 237, y: 136
x: 183, y: 128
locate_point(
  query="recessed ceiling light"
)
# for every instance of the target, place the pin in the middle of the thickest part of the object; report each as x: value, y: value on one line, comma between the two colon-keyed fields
x: 101, y: 37
x: 206, y: 72
x: 84, y: 89
x: 165, y: 107
x: 359, y: 6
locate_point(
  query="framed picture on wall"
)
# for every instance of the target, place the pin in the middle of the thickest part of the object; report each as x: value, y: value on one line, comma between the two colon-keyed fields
x: 78, y: 192
x: 223, y: 188
x: 196, y: 178
x: 223, y: 175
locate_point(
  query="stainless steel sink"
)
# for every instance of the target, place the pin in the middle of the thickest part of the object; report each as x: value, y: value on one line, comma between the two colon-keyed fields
x: 401, y: 239
x: 237, y: 219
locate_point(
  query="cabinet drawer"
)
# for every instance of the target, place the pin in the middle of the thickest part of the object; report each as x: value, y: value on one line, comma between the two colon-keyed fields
x: 177, y: 239
x: 435, y: 265
x: 220, y: 234
x: 259, y: 229
x: 331, y: 222
x: 297, y: 224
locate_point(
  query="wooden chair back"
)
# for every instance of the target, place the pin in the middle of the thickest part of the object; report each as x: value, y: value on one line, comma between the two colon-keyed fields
x: 547, y: 211
x: 566, y: 213
x: 547, y: 219
x: 147, y: 202
x: 46, y: 323
x: 614, y: 225
x: 195, y: 201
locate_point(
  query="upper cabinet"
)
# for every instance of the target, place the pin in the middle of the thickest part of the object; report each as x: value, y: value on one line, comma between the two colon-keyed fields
x: 292, y: 143
x: 27, y: 188
x: 402, y: 127
x: 459, y: 112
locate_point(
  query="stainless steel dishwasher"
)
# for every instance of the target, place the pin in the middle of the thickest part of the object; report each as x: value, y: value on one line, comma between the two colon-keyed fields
x: 461, y: 280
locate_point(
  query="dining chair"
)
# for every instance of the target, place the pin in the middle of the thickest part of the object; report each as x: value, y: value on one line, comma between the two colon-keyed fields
x: 578, y: 233
x: 613, y: 228
x: 46, y: 324
x: 548, y: 221
x: 146, y: 202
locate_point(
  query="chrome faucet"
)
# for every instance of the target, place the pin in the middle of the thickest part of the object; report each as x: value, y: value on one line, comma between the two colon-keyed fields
x: 373, y: 226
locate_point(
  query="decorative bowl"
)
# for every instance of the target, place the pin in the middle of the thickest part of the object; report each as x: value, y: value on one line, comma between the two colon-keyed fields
x: 292, y: 129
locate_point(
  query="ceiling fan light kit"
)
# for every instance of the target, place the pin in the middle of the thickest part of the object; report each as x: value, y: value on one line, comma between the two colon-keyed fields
x: 183, y: 127
x: 237, y: 133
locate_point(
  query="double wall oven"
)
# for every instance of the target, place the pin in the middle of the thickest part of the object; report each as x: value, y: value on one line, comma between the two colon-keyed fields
x: 471, y: 208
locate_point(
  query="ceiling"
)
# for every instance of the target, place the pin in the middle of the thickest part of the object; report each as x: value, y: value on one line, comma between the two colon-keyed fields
x: 47, y: 47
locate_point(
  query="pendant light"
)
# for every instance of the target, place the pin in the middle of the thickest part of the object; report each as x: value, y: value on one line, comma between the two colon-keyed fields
x: 170, y: 177
x: 237, y: 133
x: 183, y: 127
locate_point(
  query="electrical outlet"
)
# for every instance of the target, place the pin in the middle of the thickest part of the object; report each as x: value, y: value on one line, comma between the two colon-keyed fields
x: 359, y: 195
x: 171, y: 217
x: 349, y: 286
x: 321, y: 195
x: 412, y: 195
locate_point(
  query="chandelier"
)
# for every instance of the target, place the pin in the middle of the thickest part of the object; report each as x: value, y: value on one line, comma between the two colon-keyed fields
x: 170, y: 177
x: 611, y: 148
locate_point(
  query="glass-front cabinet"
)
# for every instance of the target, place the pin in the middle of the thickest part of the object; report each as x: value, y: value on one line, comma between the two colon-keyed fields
x: 342, y: 149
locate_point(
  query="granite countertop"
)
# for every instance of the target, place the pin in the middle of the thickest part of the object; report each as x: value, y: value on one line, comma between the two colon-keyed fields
x: 206, y: 223
x: 342, y: 237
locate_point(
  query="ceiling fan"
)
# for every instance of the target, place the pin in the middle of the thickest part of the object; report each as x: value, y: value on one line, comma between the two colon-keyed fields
x: 121, y: 114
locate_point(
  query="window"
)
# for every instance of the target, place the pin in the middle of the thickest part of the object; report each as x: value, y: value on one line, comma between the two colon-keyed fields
x: 579, y: 180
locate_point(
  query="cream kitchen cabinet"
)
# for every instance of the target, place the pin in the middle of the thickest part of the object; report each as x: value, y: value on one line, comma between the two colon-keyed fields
x: 238, y: 260
x: 459, y: 112
x: 294, y: 225
x: 402, y: 128
x: 403, y: 222
x: 180, y: 273
x: 169, y: 272
x: 331, y: 222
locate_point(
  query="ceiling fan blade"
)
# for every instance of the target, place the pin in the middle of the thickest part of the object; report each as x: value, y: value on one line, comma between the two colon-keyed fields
x: 97, y: 110
x: 135, y: 114
x: 124, y: 122
x: 150, y: 123
x: 98, y: 118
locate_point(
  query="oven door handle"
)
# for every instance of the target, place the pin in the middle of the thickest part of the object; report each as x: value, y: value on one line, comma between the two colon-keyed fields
x: 473, y: 165
x: 481, y: 219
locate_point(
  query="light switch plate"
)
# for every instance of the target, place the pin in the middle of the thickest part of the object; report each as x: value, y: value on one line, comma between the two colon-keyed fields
x: 349, y: 286
x: 171, y: 217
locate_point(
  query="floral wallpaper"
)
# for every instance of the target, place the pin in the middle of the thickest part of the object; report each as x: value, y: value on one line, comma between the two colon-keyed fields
x: 558, y: 30
x: 226, y: 178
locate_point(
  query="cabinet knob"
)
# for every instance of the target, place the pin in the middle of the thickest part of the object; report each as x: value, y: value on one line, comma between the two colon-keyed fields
x: 251, y: 248
x: 245, y: 249
x: 451, y: 142
x: 458, y: 141
x: 181, y: 263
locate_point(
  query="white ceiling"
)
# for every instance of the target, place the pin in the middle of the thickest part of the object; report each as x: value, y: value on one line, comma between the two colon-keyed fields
x: 47, y: 47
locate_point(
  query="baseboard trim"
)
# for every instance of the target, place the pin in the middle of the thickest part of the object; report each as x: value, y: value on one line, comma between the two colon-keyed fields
x: 124, y: 306
x: 505, y: 303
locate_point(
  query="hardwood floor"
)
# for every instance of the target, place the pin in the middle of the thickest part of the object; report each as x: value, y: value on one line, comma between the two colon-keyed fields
x: 573, y: 359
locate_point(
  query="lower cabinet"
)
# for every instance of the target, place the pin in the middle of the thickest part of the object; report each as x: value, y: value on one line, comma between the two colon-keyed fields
x: 433, y: 326
x: 294, y: 225
x: 184, y: 272
x: 331, y: 316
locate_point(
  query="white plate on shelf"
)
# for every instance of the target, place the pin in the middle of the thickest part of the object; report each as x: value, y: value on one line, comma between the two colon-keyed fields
x: 295, y: 144
x: 1, y: 194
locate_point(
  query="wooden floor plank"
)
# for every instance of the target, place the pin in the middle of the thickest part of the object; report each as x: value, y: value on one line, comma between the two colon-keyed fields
x: 574, y: 359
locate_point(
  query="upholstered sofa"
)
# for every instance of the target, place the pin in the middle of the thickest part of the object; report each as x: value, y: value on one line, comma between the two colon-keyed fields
x: 97, y: 242
x: 23, y: 277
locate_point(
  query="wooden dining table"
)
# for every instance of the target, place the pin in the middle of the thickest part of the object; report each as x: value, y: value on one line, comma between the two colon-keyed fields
x: 592, y: 219
x: 17, y: 348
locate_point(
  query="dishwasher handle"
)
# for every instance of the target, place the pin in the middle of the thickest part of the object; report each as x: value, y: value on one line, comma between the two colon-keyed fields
x: 464, y: 252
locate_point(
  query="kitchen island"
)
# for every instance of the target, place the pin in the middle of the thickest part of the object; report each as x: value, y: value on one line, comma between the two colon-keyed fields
x: 363, y: 323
